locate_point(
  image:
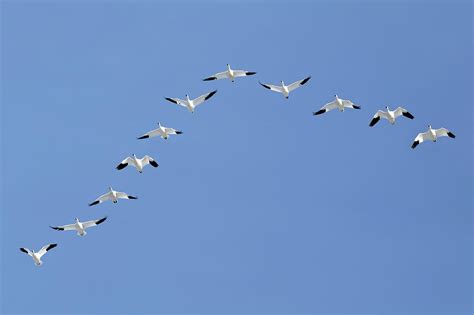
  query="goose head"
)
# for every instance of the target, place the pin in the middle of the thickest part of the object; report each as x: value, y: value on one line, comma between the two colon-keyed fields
x: 110, y: 188
x: 282, y: 82
x: 76, y: 219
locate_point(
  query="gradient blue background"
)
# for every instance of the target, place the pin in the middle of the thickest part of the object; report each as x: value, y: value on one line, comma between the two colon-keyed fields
x: 259, y: 207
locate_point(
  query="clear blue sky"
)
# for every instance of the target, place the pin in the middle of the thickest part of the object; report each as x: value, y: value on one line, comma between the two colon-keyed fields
x: 259, y: 207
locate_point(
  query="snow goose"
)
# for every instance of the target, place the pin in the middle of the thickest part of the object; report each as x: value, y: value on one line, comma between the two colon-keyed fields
x: 229, y: 74
x: 78, y: 226
x: 431, y: 134
x: 162, y: 131
x: 189, y: 103
x: 285, y: 89
x: 139, y: 164
x: 37, y: 256
x: 111, y: 195
x: 338, y: 103
x: 390, y: 115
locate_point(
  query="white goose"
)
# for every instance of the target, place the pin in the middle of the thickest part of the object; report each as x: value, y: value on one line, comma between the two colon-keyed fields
x: 37, y: 256
x: 229, y: 74
x: 139, y: 164
x: 112, y: 195
x: 338, y: 103
x: 78, y: 226
x: 431, y: 134
x: 161, y: 131
x: 390, y: 115
x: 189, y: 103
x: 285, y: 89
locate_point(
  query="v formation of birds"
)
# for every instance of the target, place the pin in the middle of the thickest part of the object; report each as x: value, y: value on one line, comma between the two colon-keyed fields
x: 191, y: 104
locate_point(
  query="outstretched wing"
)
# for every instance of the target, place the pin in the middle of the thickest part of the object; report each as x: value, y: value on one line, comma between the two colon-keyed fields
x: 177, y: 101
x: 125, y: 163
x: 271, y: 87
x: 402, y: 111
x: 150, y: 134
x: 349, y: 104
x: 26, y: 251
x: 379, y: 114
x: 326, y: 108
x: 443, y: 132
x: 199, y: 100
x: 45, y: 249
x: 101, y: 199
x: 122, y: 195
x: 217, y: 76
x: 68, y: 227
x: 149, y: 160
x: 422, y: 136
x: 297, y: 84
x: 243, y: 73
x: 92, y: 223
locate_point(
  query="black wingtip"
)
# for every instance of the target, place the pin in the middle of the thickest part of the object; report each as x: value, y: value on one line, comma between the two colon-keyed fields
x: 319, y: 112
x: 144, y: 137
x: 374, y: 121
x: 250, y: 73
x: 355, y: 106
x: 132, y: 197
x: 210, y: 79
x: 121, y: 166
x: 51, y: 246
x: 179, y: 132
x: 408, y: 115
x: 56, y: 228
x: 171, y: 100
x: 154, y: 163
x: 305, y: 80
x: 265, y: 86
x: 23, y: 250
x: 451, y: 135
x: 210, y: 95
x: 415, y: 143
x: 100, y: 221
x: 94, y: 203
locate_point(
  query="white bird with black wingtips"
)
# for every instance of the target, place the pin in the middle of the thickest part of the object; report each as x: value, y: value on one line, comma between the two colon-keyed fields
x: 78, y: 226
x: 285, y: 89
x: 191, y: 104
x: 338, y: 103
x: 139, y: 164
x: 431, y: 134
x: 230, y: 74
x: 112, y: 195
x: 390, y: 115
x: 162, y: 131
x: 37, y: 255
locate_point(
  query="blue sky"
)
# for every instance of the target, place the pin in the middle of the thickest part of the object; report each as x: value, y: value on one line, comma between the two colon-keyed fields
x: 259, y: 207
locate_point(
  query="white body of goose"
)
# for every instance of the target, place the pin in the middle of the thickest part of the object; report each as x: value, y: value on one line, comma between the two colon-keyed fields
x: 37, y: 255
x: 191, y: 104
x: 338, y: 103
x: 229, y: 74
x: 112, y: 195
x: 285, y: 89
x: 139, y: 164
x: 390, y: 115
x: 78, y: 226
x: 162, y: 131
x: 431, y: 134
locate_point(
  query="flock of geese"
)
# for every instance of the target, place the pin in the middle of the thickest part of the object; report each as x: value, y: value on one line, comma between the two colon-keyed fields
x: 191, y: 104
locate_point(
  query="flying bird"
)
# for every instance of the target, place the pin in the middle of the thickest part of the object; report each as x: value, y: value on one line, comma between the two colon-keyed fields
x: 229, y: 74
x: 285, y: 89
x: 139, y: 164
x: 189, y: 103
x: 163, y: 132
x: 78, y: 226
x: 112, y: 195
x: 390, y: 115
x: 338, y: 103
x: 37, y: 256
x: 431, y: 134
